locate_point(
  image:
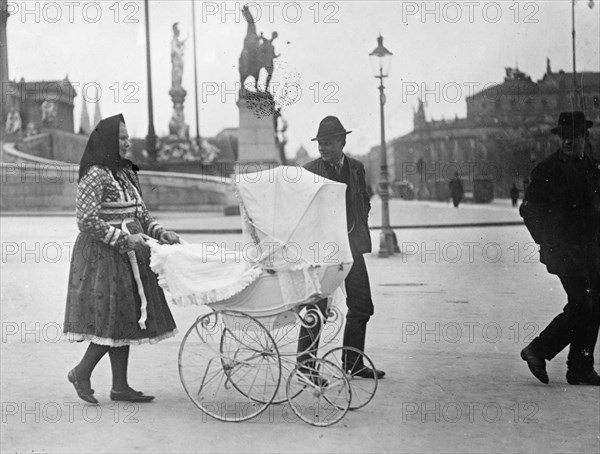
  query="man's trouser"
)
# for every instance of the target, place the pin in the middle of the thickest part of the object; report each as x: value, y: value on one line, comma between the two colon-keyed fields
x: 577, y: 325
x: 360, y: 309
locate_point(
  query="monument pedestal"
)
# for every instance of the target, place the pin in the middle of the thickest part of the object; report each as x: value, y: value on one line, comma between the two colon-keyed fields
x: 256, y: 134
x: 177, y: 126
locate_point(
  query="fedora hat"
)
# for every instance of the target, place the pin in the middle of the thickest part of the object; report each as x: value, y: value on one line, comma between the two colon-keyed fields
x: 569, y: 122
x: 330, y: 127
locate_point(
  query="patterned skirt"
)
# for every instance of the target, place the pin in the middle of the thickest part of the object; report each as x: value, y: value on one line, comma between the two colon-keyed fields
x: 103, y: 303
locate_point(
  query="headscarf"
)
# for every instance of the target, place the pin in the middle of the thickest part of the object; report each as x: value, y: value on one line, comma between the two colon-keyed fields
x: 102, y: 148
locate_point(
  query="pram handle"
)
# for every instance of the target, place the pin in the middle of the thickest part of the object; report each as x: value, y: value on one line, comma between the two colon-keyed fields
x: 154, y: 240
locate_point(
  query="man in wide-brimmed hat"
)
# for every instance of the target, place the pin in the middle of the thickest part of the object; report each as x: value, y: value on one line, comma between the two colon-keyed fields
x: 333, y: 164
x: 561, y: 209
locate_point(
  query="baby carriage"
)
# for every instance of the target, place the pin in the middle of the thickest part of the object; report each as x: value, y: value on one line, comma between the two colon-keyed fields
x: 240, y: 357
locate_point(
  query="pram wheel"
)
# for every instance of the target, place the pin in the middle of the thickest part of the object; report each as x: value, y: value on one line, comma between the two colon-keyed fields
x: 318, y: 392
x: 229, y: 365
x: 347, y: 359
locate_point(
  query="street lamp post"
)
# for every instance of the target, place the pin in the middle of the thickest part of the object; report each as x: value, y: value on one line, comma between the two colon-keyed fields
x: 576, y: 100
x: 151, y: 137
x: 381, y: 59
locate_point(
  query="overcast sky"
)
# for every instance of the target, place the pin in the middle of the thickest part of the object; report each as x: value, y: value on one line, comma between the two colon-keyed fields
x: 452, y: 48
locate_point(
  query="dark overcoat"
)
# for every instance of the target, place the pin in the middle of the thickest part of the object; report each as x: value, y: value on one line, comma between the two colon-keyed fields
x: 357, y: 200
x: 561, y: 210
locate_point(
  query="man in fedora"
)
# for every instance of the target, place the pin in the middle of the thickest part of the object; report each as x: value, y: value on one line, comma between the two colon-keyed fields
x: 561, y: 210
x: 334, y: 165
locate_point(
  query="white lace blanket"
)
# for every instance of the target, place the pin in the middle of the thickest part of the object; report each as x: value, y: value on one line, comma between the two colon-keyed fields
x: 199, y: 274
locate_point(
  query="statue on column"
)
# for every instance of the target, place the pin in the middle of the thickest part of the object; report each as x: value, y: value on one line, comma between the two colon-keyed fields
x: 177, y: 48
x: 177, y: 126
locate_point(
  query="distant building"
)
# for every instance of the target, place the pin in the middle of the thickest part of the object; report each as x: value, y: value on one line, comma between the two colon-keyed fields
x: 505, y: 134
x: 43, y: 104
x: 84, y: 121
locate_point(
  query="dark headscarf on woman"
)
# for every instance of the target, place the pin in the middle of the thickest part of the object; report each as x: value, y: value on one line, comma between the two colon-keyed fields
x: 103, y: 148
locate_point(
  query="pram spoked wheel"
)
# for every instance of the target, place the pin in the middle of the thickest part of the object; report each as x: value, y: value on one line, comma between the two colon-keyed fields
x: 229, y: 365
x: 319, y: 392
x: 348, y: 359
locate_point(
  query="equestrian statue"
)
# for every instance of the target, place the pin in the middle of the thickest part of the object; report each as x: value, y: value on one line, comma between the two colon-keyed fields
x: 258, y: 53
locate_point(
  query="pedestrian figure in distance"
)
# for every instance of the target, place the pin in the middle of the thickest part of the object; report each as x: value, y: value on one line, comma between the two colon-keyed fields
x: 514, y: 195
x: 456, y: 189
x: 561, y: 210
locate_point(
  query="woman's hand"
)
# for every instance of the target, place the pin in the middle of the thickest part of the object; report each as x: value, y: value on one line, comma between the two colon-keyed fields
x: 136, y: 241
x: 169, y: 237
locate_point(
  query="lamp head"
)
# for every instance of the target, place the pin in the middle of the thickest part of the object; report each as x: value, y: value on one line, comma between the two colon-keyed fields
x: 381, y: 59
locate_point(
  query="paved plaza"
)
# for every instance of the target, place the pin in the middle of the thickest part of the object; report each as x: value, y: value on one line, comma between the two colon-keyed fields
x: 451, y: 316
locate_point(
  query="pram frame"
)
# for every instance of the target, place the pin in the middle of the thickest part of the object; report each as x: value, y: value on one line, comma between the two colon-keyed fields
x: 324, y: 378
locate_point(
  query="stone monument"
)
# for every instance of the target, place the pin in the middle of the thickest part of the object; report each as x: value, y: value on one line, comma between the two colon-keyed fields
x: 257, y: 140
x: 177, y: 125
x: 177, y: 145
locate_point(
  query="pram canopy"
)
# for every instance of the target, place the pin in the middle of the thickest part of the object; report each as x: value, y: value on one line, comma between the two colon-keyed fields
x: 296, y: 217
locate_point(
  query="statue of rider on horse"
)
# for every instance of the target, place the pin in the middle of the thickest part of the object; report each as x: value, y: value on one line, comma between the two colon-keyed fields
x: 258, y: 53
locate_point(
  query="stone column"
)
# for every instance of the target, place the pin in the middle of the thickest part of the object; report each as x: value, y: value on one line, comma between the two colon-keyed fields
x: 3, y: 63
x: 177, y: 125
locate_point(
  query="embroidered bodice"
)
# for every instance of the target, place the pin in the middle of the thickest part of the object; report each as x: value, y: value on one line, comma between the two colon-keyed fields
x: 103, y: 202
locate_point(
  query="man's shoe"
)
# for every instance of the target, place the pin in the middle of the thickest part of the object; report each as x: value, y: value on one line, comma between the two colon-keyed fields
x: 367, y: 372
x: 537, y: 365
x: 83, y: 387
x: 129, y: 395
x: 591, y: 378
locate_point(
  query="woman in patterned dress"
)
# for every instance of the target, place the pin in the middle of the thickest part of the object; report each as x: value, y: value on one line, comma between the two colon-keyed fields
x: 113, y: 298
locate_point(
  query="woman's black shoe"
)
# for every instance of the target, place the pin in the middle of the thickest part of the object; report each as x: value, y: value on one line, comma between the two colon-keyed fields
x: 83, y: 387
x: 131, y: 390
x: 129, y: 395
